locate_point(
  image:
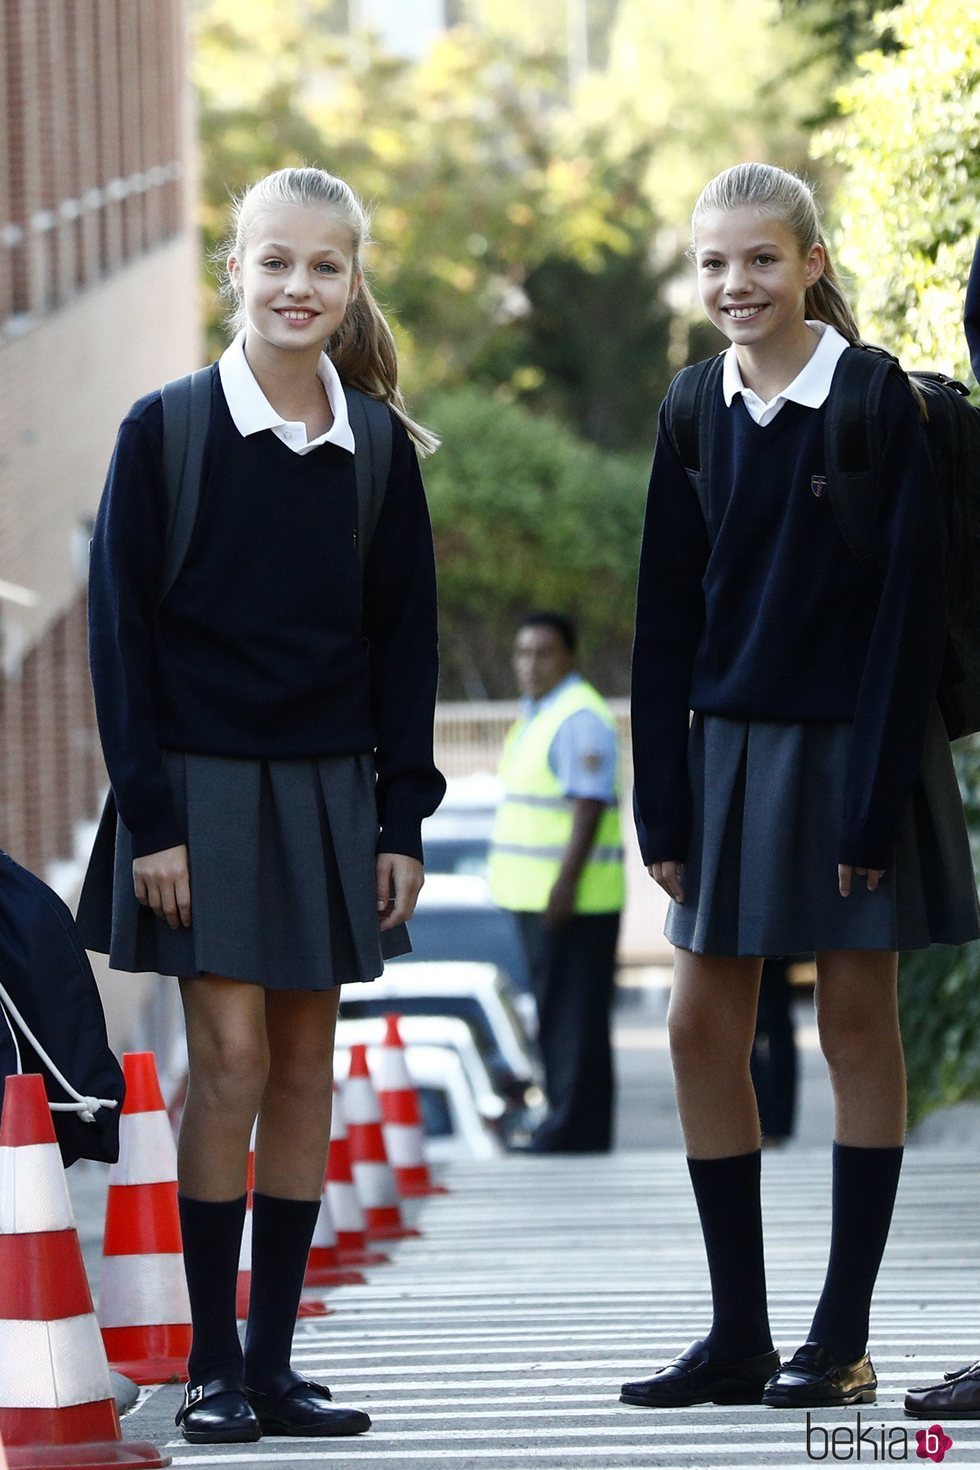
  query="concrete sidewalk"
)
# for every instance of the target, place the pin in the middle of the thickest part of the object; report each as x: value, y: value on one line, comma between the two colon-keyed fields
x: 501, y: 1335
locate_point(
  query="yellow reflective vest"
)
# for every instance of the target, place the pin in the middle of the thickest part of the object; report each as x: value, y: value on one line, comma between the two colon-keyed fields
x: 533, y: 826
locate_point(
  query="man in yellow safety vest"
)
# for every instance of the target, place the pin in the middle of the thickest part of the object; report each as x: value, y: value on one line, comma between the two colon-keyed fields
x: 556, y: 860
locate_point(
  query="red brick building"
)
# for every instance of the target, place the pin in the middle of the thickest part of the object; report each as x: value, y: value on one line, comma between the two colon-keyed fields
x: 99, y: 302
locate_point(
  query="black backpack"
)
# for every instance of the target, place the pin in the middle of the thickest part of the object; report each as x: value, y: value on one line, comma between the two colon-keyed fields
x: 51, y: 1017
x: 851, y: 450
x: 186, y: 417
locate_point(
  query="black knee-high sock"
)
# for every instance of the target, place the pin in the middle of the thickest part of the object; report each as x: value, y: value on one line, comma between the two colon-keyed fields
x: 212, y: 1235
x: 865, y: 1181
x: 729, y: 1203
x: 282, y: 1230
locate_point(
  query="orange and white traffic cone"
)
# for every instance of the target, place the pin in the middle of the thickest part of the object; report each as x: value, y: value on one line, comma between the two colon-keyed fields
x: 144, y: 1309
x: 324, y: 1267
x: 345, y: 1207
x: 373, y: 1174
x: 307, y: 1308
x: 402, y: 1125
x: 57, y: 1410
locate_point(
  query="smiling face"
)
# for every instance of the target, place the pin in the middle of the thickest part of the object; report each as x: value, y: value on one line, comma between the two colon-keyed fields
x: 753, y: 276
x: 296, y: 276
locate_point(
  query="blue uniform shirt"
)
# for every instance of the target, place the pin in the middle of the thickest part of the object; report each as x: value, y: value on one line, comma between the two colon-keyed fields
x: 583, y: 754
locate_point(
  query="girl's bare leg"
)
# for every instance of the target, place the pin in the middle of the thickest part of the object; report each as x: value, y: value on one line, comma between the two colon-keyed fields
x: 711, y: 1023
x: 857, y: 1014
x: 294, y: 1116
x: 228, y: 1063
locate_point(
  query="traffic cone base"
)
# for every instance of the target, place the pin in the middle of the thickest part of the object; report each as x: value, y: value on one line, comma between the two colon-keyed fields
x: 333, y: 1275
x: 324, y: 1266
x: 386, y: 1224
x: 359, y: 1255
x: 415, y: 1181
x: 149, y: 1354
x: 135, y: 1455
x: 308, y: 1307
x: 402, y: 1141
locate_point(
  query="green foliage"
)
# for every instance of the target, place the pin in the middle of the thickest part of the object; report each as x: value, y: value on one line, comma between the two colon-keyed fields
x: 530, y: 232
x: 906, y: 209
x: 940, y: 992
x: 525, y: 514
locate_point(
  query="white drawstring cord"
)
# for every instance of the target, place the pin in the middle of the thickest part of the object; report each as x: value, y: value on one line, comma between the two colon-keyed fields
x: 85, y: 1107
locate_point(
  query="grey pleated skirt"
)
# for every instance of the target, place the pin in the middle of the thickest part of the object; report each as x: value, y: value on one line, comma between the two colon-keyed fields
x: 761, y: 875
x: 282, y: 868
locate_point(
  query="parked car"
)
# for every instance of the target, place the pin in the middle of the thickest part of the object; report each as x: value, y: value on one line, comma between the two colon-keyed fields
x: 501, y: 1115
x: 453, y: 1125
x: 456, y: 919
x: 479, y: 994
x: 456, y: 838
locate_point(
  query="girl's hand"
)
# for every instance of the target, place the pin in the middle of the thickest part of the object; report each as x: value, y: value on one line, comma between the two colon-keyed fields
x: 668, y: 876
x: 162, y: 882
x: 845, y: 873
x: 399, y: 881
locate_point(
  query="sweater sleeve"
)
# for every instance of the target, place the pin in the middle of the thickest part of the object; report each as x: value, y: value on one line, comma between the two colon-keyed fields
x: 669, y: 623
x: 124, y: 573
x: 971, y: 313
x: 400, y: 623
x: 905, y: 651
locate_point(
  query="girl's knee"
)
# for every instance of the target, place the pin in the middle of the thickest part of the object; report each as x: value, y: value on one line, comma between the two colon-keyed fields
x: 699, y: 1039
x: 229, y: 1067
x: 302, y: 1068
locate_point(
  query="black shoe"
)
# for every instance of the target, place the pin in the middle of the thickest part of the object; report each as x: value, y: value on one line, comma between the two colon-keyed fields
x: 217, y: 1412
x: 692, y: 1378
x: 293, y: 1405
x: 958, y: 1397
x: 812, y: 1380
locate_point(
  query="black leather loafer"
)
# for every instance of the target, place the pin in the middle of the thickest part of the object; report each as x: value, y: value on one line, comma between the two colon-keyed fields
x: 692, y: 1378
x: 294, y: 1405
x: 957, y: 1397
x: 812, y: 1380
x: 217, y: 1412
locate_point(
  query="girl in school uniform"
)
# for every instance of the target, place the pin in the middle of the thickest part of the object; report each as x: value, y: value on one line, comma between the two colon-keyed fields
x: 268, y: 735
x: 810, y: 804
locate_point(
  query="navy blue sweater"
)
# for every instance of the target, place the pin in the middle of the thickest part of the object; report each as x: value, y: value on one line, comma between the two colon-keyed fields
x: 772, y: 618
x: 271, y: 643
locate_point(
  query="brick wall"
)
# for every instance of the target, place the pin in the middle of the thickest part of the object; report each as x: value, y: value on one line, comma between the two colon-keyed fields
x: 99, y: 272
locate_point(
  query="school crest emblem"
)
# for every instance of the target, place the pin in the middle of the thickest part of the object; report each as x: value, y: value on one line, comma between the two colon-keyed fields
x: 818, y: 484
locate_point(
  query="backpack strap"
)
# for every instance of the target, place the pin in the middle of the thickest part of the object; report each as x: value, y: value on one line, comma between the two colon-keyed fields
x: 370, y: 420
x: 691, y: 400
x: 186, y: 418
x: 851, y: 440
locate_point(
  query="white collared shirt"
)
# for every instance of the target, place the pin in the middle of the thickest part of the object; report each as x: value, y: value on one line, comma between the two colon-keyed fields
x: 810, y: 387
x: 252, y: 412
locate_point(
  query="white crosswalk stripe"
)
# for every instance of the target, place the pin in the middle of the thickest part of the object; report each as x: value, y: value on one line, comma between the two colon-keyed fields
x: 501, y: 1335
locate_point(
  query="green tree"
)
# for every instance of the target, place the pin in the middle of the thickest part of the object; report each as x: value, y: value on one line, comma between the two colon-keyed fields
x: 908, y: 144
x: 527, y: 515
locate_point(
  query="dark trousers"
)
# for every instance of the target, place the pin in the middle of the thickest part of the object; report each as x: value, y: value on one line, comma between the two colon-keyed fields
x: 774, y: 1061
x: 573, y: 972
